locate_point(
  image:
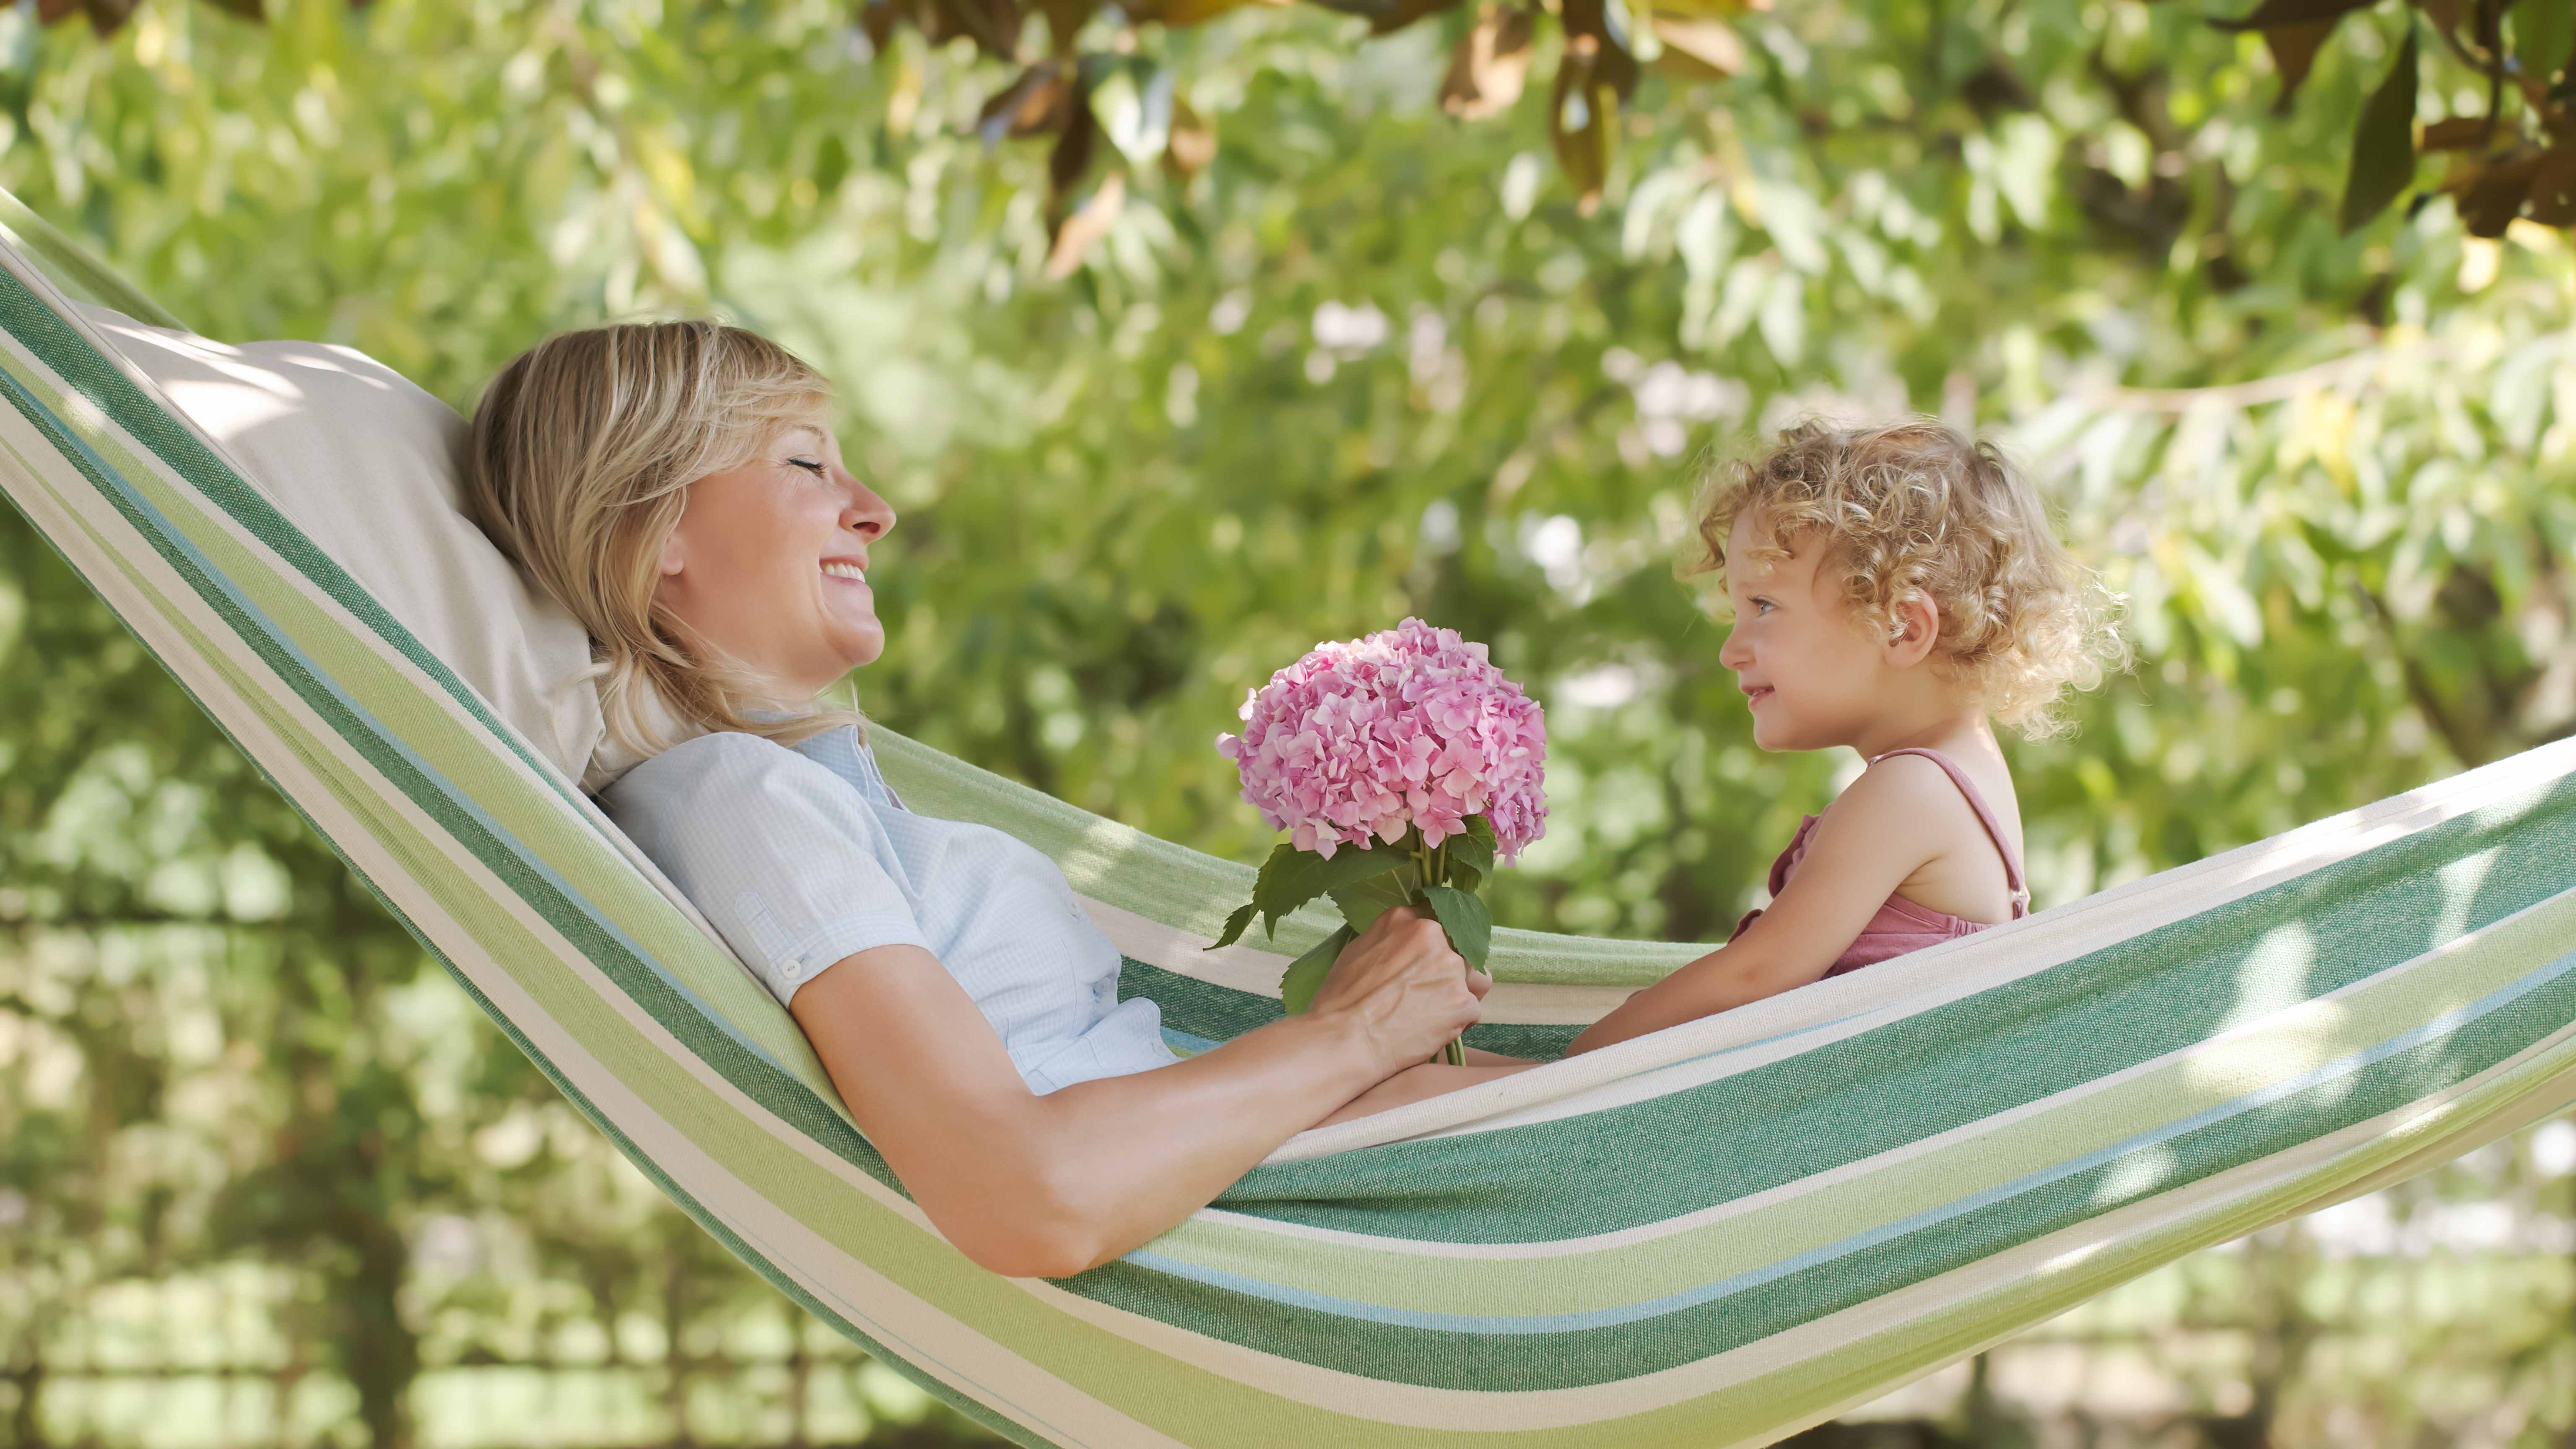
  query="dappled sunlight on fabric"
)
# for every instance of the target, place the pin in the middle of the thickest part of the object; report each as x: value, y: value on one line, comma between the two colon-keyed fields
x: 1104, y: 847
x: 2297, y: 1040
x: 2136, y: 1175
x: 2273, y: 977
x: 226, y: 409
x: 2461, y: 881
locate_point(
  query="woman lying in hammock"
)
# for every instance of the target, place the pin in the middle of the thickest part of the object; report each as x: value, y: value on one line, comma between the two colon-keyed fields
x: 675, y: 486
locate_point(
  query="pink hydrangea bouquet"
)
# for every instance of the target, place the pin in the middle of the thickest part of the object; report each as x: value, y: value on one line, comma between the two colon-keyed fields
x: 1402, y: 766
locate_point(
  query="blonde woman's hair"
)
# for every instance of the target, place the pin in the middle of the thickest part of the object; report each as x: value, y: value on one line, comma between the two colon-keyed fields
x: 583, y: 450
x: 1917, y: 510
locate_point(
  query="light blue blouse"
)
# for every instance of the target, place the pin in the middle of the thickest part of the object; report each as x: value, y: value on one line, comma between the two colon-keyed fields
x: 801, y: 857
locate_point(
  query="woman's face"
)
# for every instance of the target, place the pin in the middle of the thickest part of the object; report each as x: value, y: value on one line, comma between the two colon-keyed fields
x: 769, y: 564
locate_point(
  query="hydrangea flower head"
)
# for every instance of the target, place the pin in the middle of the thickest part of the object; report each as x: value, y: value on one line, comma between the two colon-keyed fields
x: 1409, y: 726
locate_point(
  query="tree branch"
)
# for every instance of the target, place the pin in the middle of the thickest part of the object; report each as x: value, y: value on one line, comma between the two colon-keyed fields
x: 2255, y: 392
x: 2464, y: 747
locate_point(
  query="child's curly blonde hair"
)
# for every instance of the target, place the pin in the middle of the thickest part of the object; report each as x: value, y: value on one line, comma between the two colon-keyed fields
x: 1916, y: 509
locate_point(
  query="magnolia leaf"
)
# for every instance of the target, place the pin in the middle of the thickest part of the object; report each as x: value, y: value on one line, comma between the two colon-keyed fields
x: 1696, y: 49
x: 1489, y: 65
x: 1366, y: 9
x: 1070, y: 161
x: 2275, y: 14
x: 1088, y: 223
x: 1614, y: 61
x: 2544, y: 36
x: 994, y: 25
x: 1065, y: 19
x: 1032, y: 105
x: 1235, y: 925
x: 2383, y: 145
x: 2458, y: 133
x: 1305, y: 975
x: 877, y: 20
x: 2553, y: 187
x: 1581, y: 120
x: 1406, y: 12
x: 1363, y: 903
x: 1195, y: 12
x: 1464, y: 917
x: 2489, y: 190
x: 2294, y: 51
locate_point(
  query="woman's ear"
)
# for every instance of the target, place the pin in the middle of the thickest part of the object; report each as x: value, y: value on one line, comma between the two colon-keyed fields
x: 674, y: 554
x: 1915, y: 628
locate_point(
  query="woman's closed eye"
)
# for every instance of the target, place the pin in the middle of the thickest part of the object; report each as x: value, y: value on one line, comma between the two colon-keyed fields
x: 814, y: 466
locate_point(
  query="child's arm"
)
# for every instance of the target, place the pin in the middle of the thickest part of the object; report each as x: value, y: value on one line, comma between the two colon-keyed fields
x: 1893, y: 819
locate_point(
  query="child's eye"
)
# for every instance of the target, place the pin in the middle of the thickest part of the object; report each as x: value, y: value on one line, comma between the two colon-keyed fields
x: 1761, y: 607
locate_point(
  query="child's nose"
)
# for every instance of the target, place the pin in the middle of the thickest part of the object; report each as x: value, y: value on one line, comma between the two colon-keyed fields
x: 1733, y: 654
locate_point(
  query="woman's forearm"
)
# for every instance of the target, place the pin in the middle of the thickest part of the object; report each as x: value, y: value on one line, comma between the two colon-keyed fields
x: 1130, y: 1156
x: 1046, y: 1186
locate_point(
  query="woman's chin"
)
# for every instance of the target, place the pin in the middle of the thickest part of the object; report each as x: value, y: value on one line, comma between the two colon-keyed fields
x: 862, y: 647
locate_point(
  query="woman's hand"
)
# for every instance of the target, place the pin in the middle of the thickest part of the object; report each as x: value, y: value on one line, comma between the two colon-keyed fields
x: 1402, y: 989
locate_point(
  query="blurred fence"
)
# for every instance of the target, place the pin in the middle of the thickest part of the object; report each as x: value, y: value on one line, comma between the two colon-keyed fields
x: 2440, y: 1312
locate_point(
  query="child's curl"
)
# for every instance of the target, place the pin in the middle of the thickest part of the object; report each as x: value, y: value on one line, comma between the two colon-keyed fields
x: 1915, y: 509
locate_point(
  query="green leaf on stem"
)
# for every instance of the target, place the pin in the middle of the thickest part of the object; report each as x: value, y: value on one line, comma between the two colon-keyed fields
x: 1473, y: 851
x: 1305, y: 975
x: 1464, y: 917
x: 1292, y: 877
x: 1235, y: 926
x: 1363, y: 903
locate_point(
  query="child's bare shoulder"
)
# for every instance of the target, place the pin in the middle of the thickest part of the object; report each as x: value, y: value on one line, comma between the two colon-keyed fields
x: 1897, y: 782
x: 1904, y: 800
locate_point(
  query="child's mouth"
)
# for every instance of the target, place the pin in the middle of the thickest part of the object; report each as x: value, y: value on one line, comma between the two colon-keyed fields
x: 1753, y: 697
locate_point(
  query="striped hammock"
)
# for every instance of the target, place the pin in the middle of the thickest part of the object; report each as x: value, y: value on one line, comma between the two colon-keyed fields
x: 1716, y: 1234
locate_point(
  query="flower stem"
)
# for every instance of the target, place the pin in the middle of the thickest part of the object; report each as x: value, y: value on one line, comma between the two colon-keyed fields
x: 1433, y: 863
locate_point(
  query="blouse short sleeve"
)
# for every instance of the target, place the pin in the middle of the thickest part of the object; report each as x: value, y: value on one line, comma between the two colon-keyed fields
x: 784, y: 857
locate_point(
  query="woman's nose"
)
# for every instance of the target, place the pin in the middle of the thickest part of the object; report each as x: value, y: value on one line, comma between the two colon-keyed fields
x: 867, y: 515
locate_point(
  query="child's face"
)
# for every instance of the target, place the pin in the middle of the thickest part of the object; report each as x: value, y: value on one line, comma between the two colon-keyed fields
x: 1810, y: 670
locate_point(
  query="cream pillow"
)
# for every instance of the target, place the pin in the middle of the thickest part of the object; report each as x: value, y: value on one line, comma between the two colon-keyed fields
x: 370, y: 468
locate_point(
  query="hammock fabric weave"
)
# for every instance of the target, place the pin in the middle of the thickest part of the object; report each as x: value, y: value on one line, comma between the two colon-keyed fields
x: 1717, y: 1234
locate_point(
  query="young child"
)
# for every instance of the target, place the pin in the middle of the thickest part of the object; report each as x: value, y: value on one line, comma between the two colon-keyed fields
x: 1895, y: 589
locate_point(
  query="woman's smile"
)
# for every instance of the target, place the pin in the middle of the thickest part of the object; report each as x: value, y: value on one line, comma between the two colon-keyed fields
x: 728, y: 569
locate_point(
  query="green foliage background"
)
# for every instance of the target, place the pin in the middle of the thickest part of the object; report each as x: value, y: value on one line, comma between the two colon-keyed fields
x: 1370, y: 361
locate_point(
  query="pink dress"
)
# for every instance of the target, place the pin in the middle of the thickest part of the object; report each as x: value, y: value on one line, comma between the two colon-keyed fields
x: 1901, y: 925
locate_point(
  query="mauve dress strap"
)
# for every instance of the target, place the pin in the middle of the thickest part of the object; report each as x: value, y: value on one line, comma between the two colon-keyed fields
x: 1986, y: 817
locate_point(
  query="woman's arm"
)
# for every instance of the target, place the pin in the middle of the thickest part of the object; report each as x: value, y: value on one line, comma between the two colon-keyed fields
x: 1880, y: 831
x: 1035, y: 1186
